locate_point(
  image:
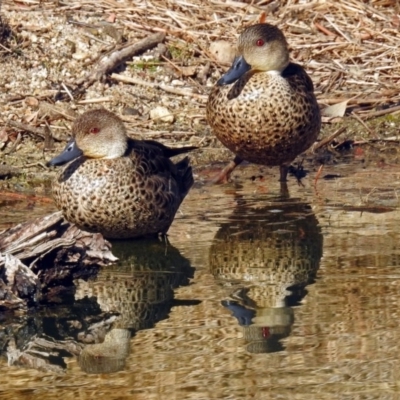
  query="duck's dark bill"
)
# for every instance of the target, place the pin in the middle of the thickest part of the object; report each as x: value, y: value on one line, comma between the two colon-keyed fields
x: 239, y: 67
x: 70, y: 152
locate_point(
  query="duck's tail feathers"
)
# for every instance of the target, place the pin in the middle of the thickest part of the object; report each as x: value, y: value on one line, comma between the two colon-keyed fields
x: 179, y: 150
x: 186, y: 174
x: 169, y: 151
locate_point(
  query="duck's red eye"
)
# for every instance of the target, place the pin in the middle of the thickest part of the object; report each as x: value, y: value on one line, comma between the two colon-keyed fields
x: 94, y: 130
x: 260, y: 42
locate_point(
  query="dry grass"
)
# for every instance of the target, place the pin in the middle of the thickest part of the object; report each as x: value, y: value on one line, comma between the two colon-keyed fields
x: 349, y: 47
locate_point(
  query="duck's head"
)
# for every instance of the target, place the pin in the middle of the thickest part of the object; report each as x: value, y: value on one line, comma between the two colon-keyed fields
x: 95, y: 134
x: 261, y: 47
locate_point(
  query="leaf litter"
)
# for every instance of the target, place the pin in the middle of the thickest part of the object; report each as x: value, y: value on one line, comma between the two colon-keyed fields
x: 61, y: 58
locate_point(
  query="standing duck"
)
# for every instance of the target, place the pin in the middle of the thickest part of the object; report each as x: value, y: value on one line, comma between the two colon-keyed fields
x: 264, y: 109
x: 120, y: 187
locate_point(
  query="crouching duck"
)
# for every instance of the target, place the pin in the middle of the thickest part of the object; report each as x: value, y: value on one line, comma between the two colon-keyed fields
x: 115, y: 185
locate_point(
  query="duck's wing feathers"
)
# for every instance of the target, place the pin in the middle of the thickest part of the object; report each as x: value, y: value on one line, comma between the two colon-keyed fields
x: 298, y: 78
x: 185, y: 172
x: 153, y: 160
x: 152, y: 145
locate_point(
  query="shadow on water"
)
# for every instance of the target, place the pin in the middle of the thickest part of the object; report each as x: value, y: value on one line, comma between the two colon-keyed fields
x: 129, y: 296
x: 265, y: 257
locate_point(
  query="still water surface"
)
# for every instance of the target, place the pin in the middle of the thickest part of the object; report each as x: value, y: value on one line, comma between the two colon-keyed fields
x: 255, y: 296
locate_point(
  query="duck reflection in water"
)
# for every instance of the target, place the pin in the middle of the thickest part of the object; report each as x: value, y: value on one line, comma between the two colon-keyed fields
x: 265, y: 257
x: 98, y: 324
x: 141, y: 289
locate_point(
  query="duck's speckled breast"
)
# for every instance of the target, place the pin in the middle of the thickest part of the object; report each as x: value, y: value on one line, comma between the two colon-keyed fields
x: 266, y: 118
x: 118, y: 198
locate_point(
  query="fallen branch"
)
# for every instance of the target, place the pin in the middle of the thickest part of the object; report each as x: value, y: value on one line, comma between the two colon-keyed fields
x: 115, y: 58
x: 41, y: 258
x: 28, y: 128
x: 380, y: 140
x: 327, y: 140
x: 380, y: 113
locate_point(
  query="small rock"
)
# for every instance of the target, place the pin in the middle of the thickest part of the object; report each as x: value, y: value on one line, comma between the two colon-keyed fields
x: 79, y: 56
x: 222, y: 51
x: 162, y: 114
x: 188, y: 71
x: 177, y: 82
x: 31, y: 102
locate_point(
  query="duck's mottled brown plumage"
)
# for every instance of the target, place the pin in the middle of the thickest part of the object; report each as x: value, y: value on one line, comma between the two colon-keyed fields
x: 135, y: 194
x: 269, y: 115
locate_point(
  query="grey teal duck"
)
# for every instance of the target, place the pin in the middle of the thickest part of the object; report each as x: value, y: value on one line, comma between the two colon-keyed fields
x: 264, y: 109
x: 115, y: 185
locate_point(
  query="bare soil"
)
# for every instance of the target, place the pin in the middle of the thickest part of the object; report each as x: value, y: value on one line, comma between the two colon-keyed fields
x: 53, y: 55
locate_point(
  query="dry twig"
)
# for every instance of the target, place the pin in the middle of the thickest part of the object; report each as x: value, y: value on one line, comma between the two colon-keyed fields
x: 329, y: 139
x: 169, y: 89
x: 112, y: 60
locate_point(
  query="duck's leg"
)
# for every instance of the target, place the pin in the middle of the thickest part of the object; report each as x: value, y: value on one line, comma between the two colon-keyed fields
x: 283, y: 169
x: 224, y: 175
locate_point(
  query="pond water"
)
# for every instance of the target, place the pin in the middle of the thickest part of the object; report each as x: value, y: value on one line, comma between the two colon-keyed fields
x: 258, y: 294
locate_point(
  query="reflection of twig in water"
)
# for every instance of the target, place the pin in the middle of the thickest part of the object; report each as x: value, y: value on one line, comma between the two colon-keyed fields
x: 366, y: 199
x: 319, y: 172
x: 164, y: 238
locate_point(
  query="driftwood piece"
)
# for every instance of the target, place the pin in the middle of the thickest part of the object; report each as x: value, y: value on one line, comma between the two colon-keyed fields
x: 23, y: 236
x: 8, y: 300
x: 40, y: 259
x: 22, y: 281
x: 27, y: 342
x: 37, y: 361
x: 115, y: 58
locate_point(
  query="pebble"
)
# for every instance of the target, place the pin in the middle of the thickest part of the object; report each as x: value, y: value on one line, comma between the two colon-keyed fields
x: 162, y: 114
x: 222, y: 51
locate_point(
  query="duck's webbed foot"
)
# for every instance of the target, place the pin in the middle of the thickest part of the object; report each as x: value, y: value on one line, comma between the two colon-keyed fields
x: 223, y: 176
x: 298, y: 172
